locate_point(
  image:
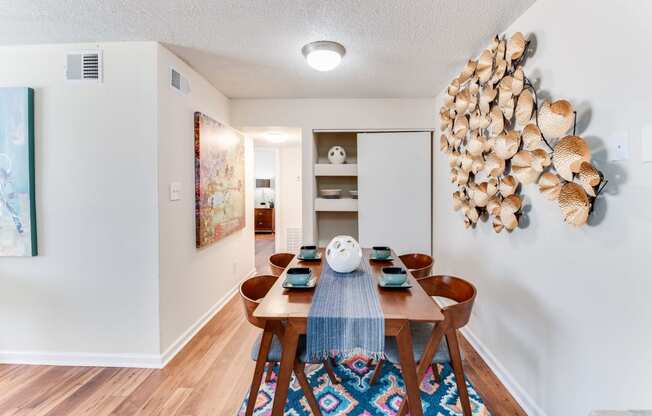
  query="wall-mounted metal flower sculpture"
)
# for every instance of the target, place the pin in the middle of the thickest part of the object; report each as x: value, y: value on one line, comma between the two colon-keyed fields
x: 497, y: 135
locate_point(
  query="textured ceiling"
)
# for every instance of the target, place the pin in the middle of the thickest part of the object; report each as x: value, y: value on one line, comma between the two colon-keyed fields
x: 251, y: 48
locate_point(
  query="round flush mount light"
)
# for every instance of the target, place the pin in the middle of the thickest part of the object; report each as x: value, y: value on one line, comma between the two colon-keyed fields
x: 276, y: 137
x: 323, y: 55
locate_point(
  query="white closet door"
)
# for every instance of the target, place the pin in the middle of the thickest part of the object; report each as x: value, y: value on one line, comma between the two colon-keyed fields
x: 394, y: 188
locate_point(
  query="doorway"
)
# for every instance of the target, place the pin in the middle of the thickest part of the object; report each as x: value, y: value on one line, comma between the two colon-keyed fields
x: 277, y: 194
x: 266, y: 174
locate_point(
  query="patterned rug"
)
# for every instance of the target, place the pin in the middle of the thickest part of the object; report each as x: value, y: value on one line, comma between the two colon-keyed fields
x: 354, y: 396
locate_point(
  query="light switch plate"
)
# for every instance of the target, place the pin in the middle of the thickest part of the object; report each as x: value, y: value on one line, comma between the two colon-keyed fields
x: 619, y: 146
x: 646, y: 143
x: 175, y: 191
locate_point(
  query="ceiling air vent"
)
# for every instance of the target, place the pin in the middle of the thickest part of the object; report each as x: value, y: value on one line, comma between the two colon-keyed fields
x: 84, y: 66
x: 178, y: 82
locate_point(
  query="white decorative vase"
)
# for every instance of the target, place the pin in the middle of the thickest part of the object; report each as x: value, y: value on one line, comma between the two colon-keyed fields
x: 337, y: 155
x: 343, y: 254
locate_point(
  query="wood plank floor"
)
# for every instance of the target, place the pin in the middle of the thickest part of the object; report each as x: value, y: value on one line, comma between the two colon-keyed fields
x: 210, y: 376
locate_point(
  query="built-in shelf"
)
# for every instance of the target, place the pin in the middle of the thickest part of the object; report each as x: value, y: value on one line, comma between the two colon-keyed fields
x: 328, y: 169
x: 341, y: 204
x: 335, y: 216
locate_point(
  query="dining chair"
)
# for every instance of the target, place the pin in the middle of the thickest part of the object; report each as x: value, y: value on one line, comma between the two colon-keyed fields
x: 252, y: 291
x: 456, y: 316
x: 420, y: 265
x: 279, y: 261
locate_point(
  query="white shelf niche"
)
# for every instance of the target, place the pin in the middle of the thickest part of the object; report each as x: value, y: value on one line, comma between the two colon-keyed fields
x: 328, y: 169
x: 336, y: 205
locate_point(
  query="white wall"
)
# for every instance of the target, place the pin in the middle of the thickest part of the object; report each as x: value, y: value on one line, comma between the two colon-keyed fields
x: 289, y: 193
x: 93, y: 287
x: 265, y: 167
x: 118, y: 280
x: 192, y: 282
x: 343, y: 114
x: 566, y: 311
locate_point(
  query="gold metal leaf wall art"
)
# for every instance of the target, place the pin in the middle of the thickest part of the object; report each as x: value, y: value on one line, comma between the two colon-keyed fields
x: 498, y: 135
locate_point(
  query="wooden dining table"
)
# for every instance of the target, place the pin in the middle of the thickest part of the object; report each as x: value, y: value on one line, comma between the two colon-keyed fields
x: 285, y: 312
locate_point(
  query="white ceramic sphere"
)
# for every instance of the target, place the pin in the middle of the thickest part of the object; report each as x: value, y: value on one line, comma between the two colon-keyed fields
x: 343, y: 254
x: 337, y: 155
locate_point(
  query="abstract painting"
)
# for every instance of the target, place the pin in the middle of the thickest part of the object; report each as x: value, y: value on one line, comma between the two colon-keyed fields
x: 17, y: 199
x: 219, y: 180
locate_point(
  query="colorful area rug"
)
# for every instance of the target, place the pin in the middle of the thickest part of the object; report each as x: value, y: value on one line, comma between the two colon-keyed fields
x: 354, y: 396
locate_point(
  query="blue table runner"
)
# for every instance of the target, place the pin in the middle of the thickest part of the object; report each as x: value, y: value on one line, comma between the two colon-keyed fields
x: 345, y: 317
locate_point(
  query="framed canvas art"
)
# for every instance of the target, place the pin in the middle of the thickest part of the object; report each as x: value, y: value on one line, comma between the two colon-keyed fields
x: 17, y: 183
x: 219, y: 180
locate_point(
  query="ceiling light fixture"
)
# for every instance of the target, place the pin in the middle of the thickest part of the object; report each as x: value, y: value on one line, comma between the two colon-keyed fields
x: 323, y: 55
x: 276, y: 137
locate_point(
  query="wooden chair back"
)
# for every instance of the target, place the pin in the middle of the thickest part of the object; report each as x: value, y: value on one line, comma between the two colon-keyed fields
x: 252, y: 291
x: 279, y: 261
x: 454, y: 288
x: 420, y: 265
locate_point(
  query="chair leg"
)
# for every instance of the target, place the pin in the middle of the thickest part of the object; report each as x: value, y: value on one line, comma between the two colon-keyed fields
x: 329, y: 370
x: 270, y: 371
x: 377, y: 371
x: 456, y: 361
x: 435, y: 372
x: 265, y: 344
x: 300, y: 372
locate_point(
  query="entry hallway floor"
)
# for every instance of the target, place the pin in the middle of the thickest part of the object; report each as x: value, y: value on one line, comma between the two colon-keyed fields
x: 210, y: 376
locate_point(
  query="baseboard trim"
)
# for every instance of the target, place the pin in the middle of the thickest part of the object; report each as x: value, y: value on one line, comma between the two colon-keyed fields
x: 80, y: 359
x: 119, y: 360
x: 181, y: 342
x: 516, y: 390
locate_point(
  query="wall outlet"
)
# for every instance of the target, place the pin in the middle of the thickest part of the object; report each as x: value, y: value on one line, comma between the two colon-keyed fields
x: 618, y: 146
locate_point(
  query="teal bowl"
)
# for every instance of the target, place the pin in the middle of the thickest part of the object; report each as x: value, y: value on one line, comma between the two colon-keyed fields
x: 381, y: 252
x: 394, y: 276
x: 298, y: 276
x: 308, y: 252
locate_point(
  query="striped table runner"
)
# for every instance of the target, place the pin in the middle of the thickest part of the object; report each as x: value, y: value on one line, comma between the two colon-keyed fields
x: 345, y: 317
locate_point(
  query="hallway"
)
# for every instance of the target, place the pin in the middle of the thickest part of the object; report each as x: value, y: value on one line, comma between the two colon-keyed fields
x: 264, y: 249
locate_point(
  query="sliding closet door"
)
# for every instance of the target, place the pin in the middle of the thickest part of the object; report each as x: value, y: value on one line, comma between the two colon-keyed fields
x: 394, y: 188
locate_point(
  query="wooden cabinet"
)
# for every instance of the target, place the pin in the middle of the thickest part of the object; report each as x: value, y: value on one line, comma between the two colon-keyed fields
x: 264, y: 220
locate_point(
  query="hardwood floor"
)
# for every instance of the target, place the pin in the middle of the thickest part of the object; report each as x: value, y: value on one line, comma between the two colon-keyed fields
x: 264, y: 249
x: 210, y: 376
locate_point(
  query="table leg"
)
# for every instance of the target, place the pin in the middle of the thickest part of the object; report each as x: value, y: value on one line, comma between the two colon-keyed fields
x: 409, y: 370
x: 426, y: 358
x: 300, y: 372
x: 290, y: 340
x: 265, y: 343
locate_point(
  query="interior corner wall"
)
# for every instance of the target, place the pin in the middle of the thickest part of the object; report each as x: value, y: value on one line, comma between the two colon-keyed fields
x: 564, y: 312
x: 336, y: 114
x: 90, y: 296
x: 194, y: 283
